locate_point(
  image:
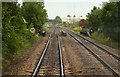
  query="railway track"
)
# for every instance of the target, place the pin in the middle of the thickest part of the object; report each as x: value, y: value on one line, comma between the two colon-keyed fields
x: 99, y: 46
x: 108, y: 59
x: 50, y: 62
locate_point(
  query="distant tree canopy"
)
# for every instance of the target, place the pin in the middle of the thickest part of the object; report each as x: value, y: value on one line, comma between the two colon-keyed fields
x: 68, y: 16
x: 106, y: 20
x: 58, y: 19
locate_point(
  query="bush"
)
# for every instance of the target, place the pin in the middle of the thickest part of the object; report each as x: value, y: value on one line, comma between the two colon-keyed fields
x: 14, y: 43
x: 100, y: 37
x: 76, y: 29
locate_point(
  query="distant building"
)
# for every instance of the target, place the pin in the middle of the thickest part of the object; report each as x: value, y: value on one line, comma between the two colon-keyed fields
x: 69, y: 20
x: 65, y: 20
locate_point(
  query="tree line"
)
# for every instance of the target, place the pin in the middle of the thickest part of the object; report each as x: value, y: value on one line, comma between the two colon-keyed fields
x: 105, y: 20
x: 17, y: 21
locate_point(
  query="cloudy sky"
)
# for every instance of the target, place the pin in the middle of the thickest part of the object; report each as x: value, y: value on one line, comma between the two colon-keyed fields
x: 72, y: 7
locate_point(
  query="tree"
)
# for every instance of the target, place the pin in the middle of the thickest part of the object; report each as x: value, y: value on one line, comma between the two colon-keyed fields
x: 34, y: 13
x: 68, y: 16
x: 111, y: 20
x: 106, y: 19
x: 16, y: 22
x: 58, y: 19
x: 94, y: 18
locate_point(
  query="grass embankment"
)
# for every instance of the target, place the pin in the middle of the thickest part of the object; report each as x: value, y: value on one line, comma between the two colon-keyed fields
x: 101, y: 38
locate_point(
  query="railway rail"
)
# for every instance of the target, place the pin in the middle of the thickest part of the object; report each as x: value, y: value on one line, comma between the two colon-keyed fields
x: 50, y: 62
x: 99, y: 46
x: 111, y: 65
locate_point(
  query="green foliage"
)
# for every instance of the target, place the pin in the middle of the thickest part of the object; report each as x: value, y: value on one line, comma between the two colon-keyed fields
x: 101, y: 38
x: 16, y: 22
x: 76, y: 29
x: 58, y: 19
x: 34, y: 13
x: 15, y: 42
x: 110, y: 18
x: 105, y: 20
x: 94, y: 18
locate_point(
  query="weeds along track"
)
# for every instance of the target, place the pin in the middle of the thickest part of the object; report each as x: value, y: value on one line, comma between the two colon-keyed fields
x: 50, y: 62
x: 107, y: 58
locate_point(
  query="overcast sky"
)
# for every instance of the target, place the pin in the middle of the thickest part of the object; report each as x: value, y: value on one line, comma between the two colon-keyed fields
x: 72, y: 7
x: 64, y: 7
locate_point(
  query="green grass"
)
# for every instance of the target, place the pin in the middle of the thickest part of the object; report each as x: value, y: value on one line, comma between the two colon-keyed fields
x: 101, y: 38
x: 76, y: 29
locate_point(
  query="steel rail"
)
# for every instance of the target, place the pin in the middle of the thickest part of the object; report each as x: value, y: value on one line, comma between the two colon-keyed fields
x: 60, y: 58
x: 115, y: 73
x: 36, y: 70
x: 101, y: 47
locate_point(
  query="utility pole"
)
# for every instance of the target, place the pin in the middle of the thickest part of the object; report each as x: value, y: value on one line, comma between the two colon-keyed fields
x: 74, y: 18
x: 74, y: 13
